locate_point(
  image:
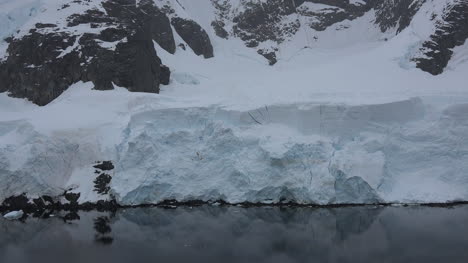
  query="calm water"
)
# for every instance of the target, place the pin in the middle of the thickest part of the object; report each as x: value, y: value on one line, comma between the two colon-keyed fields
x: 235, y: 234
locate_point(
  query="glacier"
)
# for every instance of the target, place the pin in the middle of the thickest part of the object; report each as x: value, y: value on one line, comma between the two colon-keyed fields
x: 306, y: 154
x: 408, y: 151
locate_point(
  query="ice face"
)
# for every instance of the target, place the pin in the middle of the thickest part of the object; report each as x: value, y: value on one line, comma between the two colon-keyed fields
x: 314, y: 154
x: 310, y: 153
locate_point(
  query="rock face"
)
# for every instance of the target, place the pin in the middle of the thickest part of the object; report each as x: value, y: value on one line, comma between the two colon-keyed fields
x: 396, y: 14
x: 264, y: 25
x: 320, y: 18
x: 159, y: 26
x: 36, y: 70
x: 44, y: 63
x: 194, y: 35
x: 276, y: 21
x: 451, y: 31
x: 261, y: 21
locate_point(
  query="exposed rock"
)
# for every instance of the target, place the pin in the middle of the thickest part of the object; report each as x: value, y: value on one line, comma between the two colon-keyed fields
x: 269, y: 55
x: 36, y: 70
x: 159, y: 26
x: 17, y: 202
x: 277, y: 21
x: 90, y: 16
x: 218, y: 26
x: 105, y: 166
x: 40, y: 25
x: 39, y: 202
x: 261, y: 21
x: 72, y: 197
x: 451, y: 32
x: 338, y: 10
x: 43, y: 64
x: 101, y: 184
x: 391, y: 13
x: 165, y: 75
x: 194, y: 35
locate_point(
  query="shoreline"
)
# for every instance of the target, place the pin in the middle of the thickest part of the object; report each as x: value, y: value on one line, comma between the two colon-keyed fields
x: 112, y: 206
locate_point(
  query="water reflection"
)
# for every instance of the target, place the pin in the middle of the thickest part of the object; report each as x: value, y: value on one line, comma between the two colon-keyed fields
x: 103, y: 230
x: 235, y: 234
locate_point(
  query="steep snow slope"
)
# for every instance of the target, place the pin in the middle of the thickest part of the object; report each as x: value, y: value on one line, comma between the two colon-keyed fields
x: 344, y: 116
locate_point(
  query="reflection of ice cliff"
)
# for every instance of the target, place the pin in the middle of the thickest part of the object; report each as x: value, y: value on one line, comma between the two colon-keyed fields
x: 251, y: 234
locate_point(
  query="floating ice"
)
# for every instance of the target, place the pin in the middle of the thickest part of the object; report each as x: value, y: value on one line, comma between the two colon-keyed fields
x: 14, y: 215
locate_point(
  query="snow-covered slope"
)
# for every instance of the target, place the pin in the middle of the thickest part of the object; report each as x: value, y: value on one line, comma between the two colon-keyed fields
x: 343, y: 116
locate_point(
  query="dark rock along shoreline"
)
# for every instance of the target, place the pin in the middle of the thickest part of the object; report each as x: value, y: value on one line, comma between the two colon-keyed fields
x: 21, y: 202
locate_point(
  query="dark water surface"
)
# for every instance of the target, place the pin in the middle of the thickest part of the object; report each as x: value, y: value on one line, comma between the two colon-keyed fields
x: 235, y: 234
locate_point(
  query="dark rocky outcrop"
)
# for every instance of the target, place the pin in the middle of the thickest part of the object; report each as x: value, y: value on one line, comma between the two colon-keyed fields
x: 269, y: 55
x: 159, y: 26
x: 17, y: 202
x: 105, y: 166
x: 41, y: 25
x: 218, y: 27
x: 263, y: 21
x: 101, y: 184
x: 35, y: 68
x: 72, y: 197
x: 338, y: 11
x: 165, y: 75
x: 102, y: 181
x: 452, y: 31
x: 396, y: 13
x: 44, y: 63
x: 194, y: 35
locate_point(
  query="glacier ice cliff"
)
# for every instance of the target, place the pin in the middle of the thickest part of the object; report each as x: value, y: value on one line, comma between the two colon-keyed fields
x: 403, y: 152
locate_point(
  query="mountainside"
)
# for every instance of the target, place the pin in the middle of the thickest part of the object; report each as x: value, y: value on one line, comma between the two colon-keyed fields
x: 262, y: 101
x: 110, y: 42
